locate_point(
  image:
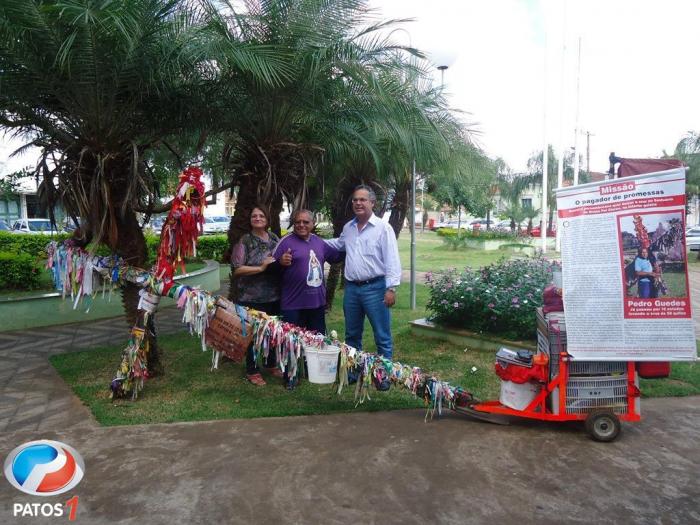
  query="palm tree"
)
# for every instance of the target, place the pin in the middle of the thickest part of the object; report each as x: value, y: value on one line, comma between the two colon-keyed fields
x: 95, y: 84
x: 530, y: 213
x: 516, y: 213
x: 465, y: 180
x: 510, y: 187
x: 534, y: 165
x: 343, y: 95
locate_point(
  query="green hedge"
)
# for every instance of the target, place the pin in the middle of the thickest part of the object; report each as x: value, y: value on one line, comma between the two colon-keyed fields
x: 29, y: 244
x: 19, y: 271
x: 212, y: 247
x: 208, y: 246
x: 481, y: 234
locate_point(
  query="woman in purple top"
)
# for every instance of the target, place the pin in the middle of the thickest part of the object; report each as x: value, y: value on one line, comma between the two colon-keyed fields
x: 258, y: 280
x: 301, y: 255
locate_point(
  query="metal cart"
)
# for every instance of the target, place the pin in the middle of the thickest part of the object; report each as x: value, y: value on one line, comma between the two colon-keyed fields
x: 602, y: 394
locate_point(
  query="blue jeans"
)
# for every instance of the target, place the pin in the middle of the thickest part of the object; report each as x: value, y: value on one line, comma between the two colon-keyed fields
x: 367, y: 299
x: 309, y: 318
x: 644, y: 286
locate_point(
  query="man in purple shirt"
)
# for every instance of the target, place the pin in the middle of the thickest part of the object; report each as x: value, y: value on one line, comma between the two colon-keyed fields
x: 301, y: 255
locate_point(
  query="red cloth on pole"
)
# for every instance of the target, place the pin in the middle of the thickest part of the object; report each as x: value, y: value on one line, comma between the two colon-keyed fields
x: 630, y: 167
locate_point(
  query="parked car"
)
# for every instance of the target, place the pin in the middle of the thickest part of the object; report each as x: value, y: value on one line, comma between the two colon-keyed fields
x: 34, y: 226
x: 155, y: 225
x: 216, y: 224
x: 68, y: 225
x: 480, y: 224
x: 536, y: 232
x: 453, y: 223
x: 505, y: 225
x: 692, y: 238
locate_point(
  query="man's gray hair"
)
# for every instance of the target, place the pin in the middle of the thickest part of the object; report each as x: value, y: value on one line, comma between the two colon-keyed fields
x: 299, y: 211
x: 370, y: 191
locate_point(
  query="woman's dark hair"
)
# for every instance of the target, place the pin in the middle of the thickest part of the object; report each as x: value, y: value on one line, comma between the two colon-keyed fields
x: 263, y: 209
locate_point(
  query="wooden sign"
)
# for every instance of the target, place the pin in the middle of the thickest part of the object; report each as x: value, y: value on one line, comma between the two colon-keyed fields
x: 225, y: 332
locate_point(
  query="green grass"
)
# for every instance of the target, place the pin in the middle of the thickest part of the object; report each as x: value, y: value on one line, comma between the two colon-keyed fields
x: 189, y: 391
x: 683, y: 381
x: 676, y: 284
x: 432, y: 254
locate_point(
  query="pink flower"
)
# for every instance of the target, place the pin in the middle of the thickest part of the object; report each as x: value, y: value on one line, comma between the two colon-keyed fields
x: 456, y: 305
x: 515, y: 300
x: 491, y: 305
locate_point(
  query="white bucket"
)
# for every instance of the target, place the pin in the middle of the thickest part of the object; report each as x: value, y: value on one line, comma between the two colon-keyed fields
x: 322, y: 363
x: 518, y: 396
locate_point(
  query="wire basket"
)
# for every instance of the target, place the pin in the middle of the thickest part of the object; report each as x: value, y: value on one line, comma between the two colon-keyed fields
x: 585, y: 394
x: 597, y: 368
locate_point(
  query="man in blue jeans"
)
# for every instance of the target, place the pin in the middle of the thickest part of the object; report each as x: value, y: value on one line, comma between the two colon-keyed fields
x: 372, y: 273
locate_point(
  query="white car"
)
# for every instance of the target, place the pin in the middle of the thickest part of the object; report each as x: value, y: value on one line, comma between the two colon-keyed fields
x: 34, y: 226
x: 464, y: 225
x: 692, y: 238
x: 216, y: 224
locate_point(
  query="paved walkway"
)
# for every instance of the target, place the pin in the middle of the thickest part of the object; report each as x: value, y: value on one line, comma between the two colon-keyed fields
x: 345, y: 468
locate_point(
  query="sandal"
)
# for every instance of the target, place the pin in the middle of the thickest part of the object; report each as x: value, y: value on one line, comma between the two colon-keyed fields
x: 275, y: 372
x: 255, y: 379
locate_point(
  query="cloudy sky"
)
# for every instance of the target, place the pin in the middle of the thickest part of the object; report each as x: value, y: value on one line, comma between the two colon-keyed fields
x: 638, y: 74
x: 638, y: 79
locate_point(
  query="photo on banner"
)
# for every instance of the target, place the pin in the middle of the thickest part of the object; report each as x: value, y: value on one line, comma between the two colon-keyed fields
x: 662, y: 249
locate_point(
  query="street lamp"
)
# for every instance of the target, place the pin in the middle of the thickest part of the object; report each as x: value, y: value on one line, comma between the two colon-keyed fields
x: 442, y: 70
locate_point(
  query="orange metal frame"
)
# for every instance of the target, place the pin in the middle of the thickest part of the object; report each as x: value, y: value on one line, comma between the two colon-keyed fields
x: 537, y: 409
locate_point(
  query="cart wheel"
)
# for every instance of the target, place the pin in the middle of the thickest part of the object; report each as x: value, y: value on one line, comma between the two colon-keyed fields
x: 603, y: 425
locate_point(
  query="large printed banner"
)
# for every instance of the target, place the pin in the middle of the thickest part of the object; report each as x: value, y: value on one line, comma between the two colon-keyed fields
x: 625, y: 274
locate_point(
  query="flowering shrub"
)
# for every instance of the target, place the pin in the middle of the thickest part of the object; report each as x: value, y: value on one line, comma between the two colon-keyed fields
x: 501, y: 298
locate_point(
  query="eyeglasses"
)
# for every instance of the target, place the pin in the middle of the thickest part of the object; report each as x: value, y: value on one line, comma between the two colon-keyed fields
x: 302, y: 222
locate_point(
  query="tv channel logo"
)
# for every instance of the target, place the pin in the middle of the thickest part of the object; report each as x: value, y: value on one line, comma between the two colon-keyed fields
x: 44, y: 468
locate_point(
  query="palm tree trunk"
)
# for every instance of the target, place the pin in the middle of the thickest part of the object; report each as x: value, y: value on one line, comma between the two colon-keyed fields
x: 341, y: 213
x: 131, y: 245
x: 247, y: 198
x: 399, y: 209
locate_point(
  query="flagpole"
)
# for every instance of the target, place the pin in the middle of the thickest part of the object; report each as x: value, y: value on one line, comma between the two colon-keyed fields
x: 562, y: 92
x: 578, y: 105
x: 545, y: 153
